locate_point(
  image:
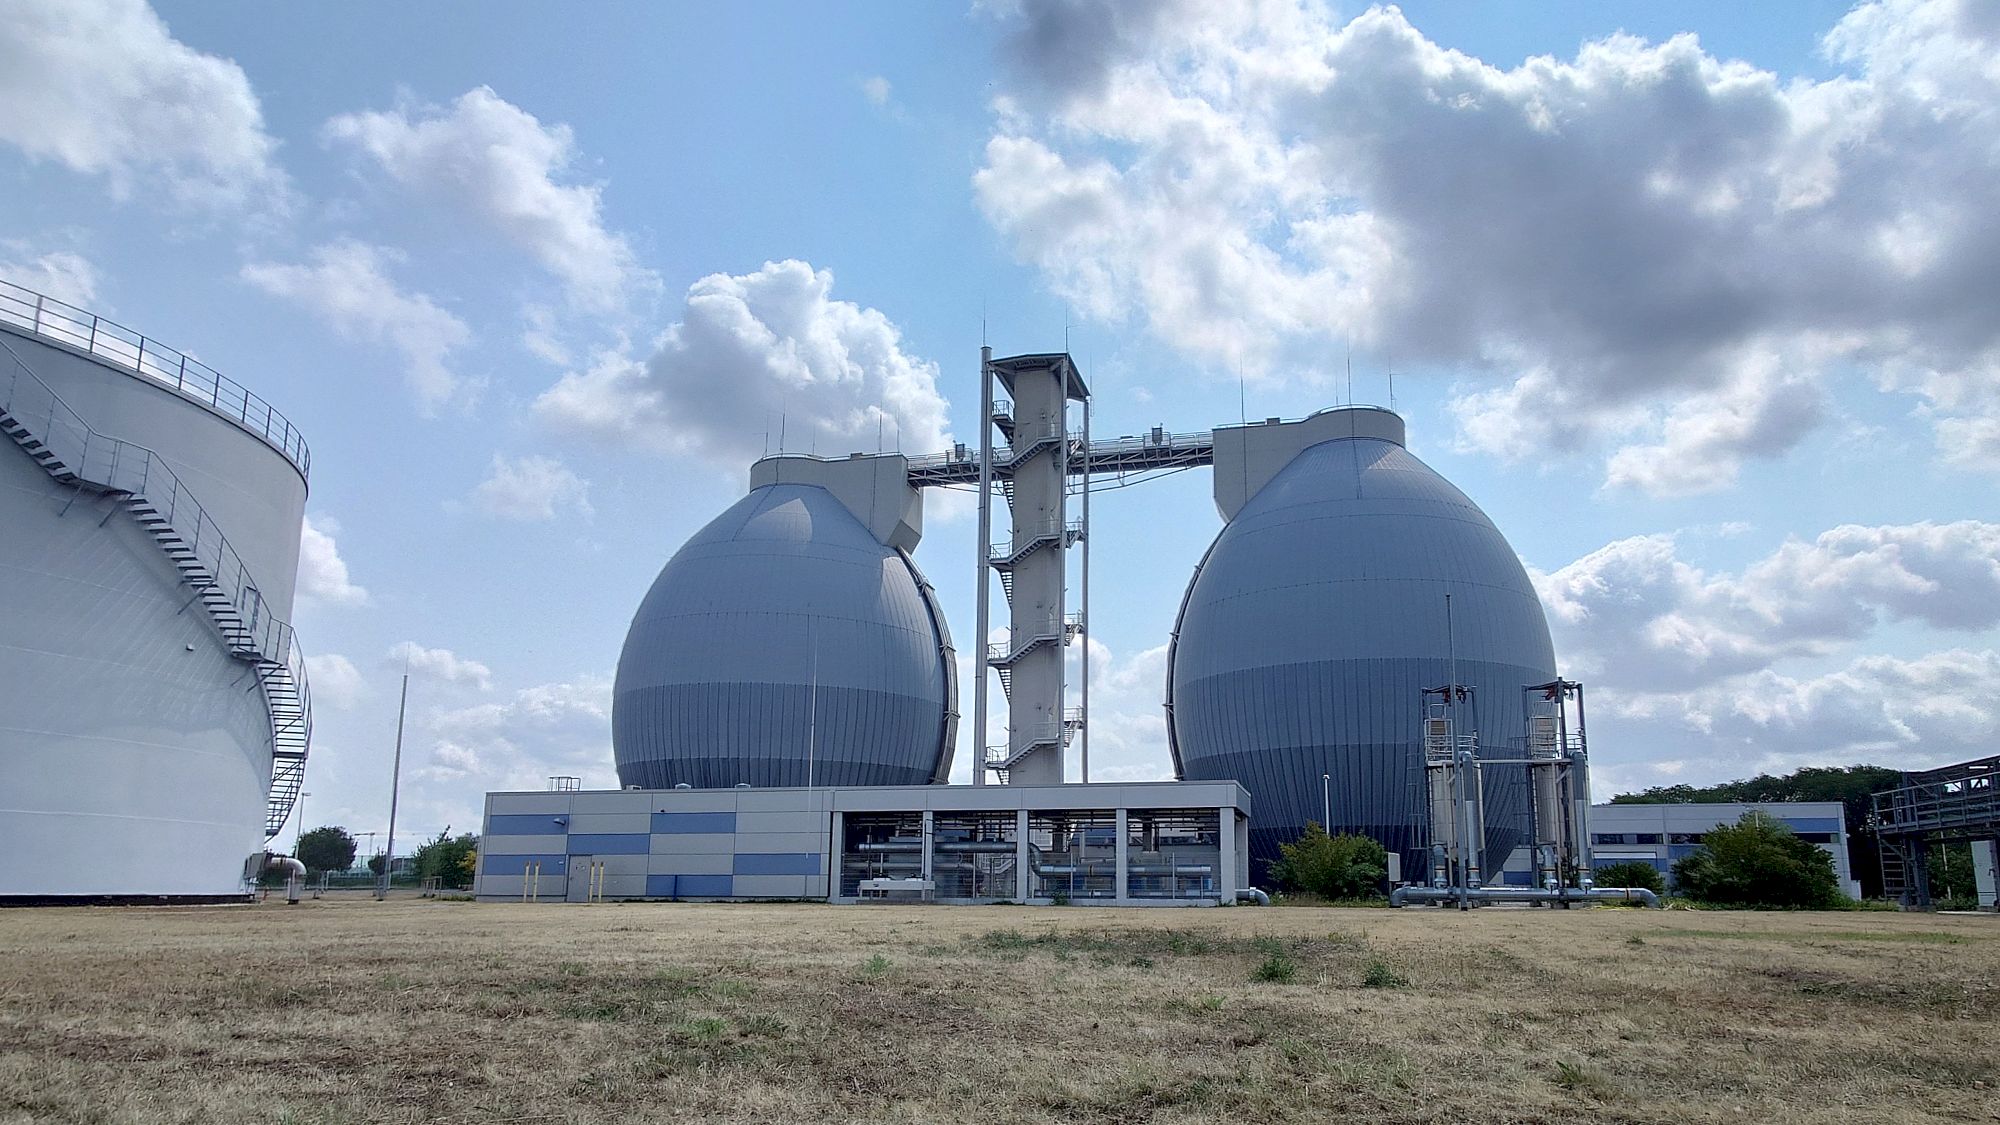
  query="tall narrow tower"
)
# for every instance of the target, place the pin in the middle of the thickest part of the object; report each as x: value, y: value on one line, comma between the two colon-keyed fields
x: 1033, y: 472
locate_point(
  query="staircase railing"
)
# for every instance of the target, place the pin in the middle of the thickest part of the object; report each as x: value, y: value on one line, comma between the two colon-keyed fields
x: 113, y: 343
x: 248, y: 626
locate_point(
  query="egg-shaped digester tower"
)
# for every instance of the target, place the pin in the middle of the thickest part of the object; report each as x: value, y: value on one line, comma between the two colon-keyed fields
x: 1318, y: 618
x: 786, y: 644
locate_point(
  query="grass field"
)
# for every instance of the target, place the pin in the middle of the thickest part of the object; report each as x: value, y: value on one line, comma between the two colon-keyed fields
x: 457, y: 1012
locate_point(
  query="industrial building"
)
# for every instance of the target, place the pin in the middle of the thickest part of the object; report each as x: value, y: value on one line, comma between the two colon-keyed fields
x: 154, y: 713
x: 1360, y: 644
x: 1661, y: 834
x: 1166, y: 844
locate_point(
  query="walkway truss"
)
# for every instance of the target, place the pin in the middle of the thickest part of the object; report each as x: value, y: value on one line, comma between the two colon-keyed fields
x: 1951, y: 804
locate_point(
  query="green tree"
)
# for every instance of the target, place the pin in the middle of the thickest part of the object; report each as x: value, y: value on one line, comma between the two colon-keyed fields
x: 1758, y: 861
x: 375, y: 865
x: 1630, y: 873
x: 327, y: 848
x: 1345, y: 866
x: 449, y: 858
x: 1852, y: 786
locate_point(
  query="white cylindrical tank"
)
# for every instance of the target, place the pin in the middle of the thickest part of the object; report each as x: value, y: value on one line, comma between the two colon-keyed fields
x: 149, y: 536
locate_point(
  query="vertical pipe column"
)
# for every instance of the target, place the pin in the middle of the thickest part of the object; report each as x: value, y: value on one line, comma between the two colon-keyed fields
x: 1225, y: 865
x: 1122, y: 819
x: 1083, y: 735
x: 1024, y: 888
x: 924, y: 869
x: 836, y: 855
x: 980, y: 580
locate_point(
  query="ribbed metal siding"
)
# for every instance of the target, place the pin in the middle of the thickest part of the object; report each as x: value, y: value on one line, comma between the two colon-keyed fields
x: 1317, y: 621
x: 716, y: 683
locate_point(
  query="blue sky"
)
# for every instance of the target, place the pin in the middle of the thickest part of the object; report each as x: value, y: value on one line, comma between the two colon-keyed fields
x: 1695, y: 300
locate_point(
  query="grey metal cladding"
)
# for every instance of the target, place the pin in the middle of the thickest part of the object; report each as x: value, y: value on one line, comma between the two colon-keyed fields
x: 782, y: 629
x: 1314, y: 624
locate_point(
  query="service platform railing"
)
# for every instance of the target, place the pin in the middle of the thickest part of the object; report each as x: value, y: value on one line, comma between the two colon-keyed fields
x: 45, y: 317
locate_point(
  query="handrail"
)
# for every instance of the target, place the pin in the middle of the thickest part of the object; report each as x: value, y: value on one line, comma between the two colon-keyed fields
x: 63, y: 323
x: 124, y: 466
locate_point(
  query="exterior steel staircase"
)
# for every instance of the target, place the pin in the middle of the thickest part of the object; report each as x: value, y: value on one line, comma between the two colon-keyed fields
x: 37, y: 419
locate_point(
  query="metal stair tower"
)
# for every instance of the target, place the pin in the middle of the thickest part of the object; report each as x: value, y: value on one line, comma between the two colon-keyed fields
x: 1035, y: 473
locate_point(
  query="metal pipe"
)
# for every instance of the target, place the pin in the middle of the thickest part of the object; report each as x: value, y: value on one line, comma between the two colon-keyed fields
x: 984, y: 594
x: 1403, y: 896
x: 1252, y: 894
x: 1083, y: 734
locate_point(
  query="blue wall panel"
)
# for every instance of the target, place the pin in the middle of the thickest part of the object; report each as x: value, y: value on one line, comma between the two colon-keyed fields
x: 777, y: 863
x: 694, y: 822
x: 518, y: 864
x: 527, y: 824
x: 1813, y: 823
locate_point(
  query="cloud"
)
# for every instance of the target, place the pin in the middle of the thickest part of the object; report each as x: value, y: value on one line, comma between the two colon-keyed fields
x: 753, y: 356
x: 876, y: 89
x: 62, y: 274
x: 322, y: 573
x: 102, y: 88
x: 336, y: 682
x: 497, y: 162
x: 1904, y: 713
x: 549, y: 729
x: 1643, y: 246
x: 1634, y: 616
x: 530, y: 488
x: 347, y: 286
x: 440, y: 664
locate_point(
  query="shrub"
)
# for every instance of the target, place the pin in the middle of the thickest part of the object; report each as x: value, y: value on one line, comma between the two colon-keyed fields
x: 1631, y: 873
x: 326, y: 849
x: 1332, y: 867
x: 1758, y: 861
x: 1381, y: 975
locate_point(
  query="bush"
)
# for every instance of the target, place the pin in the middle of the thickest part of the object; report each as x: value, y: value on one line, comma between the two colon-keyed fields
x: 326, y: 849
x: 450, y: 859
x: 1631, y: 873
x: 1332, y: 867
x: 1758, y: 861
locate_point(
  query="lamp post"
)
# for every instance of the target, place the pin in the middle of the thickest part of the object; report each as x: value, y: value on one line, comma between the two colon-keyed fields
x: 299, y: 829
x: 1326, y: 801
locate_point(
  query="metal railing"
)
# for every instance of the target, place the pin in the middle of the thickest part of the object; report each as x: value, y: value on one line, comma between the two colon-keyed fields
x: 121, y: 347
x: 238, y: 608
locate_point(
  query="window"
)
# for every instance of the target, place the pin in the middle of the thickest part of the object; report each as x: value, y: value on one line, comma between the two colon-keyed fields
x: 1685, y: 837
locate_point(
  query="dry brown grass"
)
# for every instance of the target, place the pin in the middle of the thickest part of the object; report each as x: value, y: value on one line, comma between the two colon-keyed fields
x: 451, y: 1012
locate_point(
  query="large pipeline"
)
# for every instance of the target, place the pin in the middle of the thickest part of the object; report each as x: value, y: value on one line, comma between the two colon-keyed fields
x: 1403, y: 896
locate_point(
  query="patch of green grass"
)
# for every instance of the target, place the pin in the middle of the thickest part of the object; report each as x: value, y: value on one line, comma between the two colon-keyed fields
x: 1379, y: 974
x: 875, y: 966
x: 1278, y: 967
x: 1582, y: 1078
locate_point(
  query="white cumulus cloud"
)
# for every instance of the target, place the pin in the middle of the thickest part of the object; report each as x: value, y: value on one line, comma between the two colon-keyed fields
x: 322, y: 572
x: 1634, y: 615
x: 531, y: 488
x: 497, y: 162
x: 440, y: 664
x: 336, y: 682
x: 753, y: 355
x: 549, y: 729
x: 1643, y: 245
x: 62, y: 274
x: 103, y: 88
x: 347, y: 285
